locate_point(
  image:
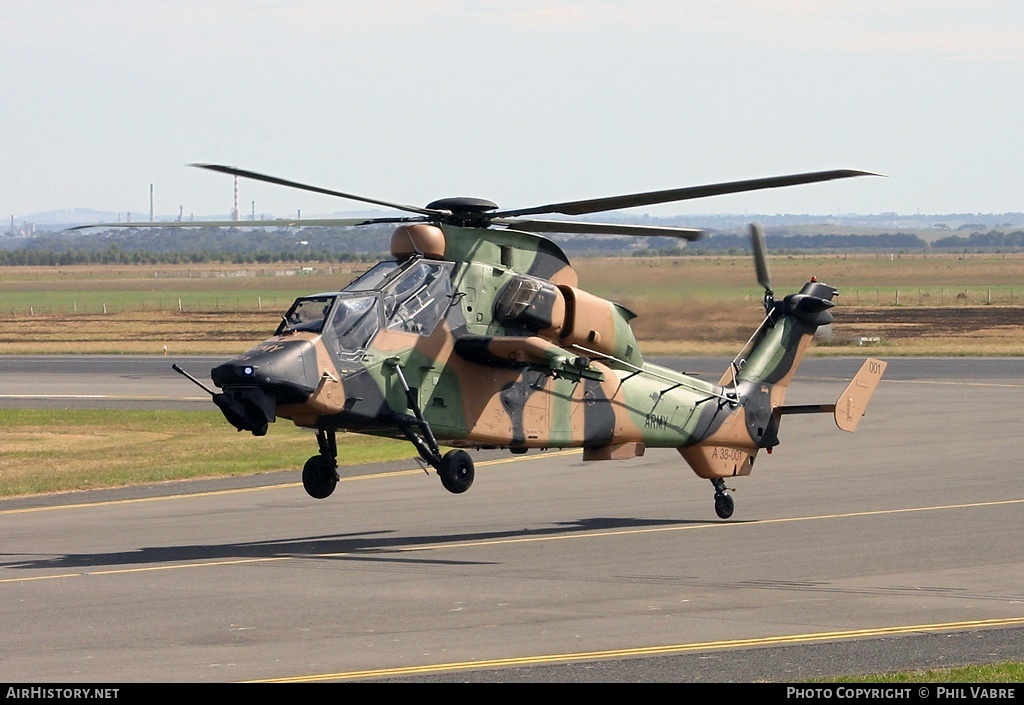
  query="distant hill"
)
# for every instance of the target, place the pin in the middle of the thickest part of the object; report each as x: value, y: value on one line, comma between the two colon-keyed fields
x: 941, y: 223
x: 49, y: 242
x: 50, y: 221
x: 369, y: 243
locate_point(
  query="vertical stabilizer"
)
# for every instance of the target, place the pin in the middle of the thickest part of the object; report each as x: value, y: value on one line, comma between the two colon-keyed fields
x: 773, y: 353
x: 757, y: 381
x: 853, y: 402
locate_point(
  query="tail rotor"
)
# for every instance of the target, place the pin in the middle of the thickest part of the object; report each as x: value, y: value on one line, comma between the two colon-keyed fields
x: 764, y: 278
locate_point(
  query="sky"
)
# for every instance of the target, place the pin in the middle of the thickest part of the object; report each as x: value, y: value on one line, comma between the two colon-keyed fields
x: 524, y: 103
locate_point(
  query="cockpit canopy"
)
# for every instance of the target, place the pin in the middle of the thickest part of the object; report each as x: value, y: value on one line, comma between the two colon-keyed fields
x: 409, y: 297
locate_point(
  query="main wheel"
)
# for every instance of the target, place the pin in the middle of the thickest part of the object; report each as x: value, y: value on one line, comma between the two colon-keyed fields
x: 319, y: 477
x: 456, y: 471
x: 724, y: 505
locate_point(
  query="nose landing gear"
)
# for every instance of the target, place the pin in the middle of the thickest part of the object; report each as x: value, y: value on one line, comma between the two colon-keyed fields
x: 320, y: 473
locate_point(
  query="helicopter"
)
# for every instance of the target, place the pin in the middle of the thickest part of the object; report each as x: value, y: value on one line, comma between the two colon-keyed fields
x: 475, y: 334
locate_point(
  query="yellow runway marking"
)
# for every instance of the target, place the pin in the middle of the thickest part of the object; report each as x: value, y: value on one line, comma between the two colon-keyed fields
x: 650, y: 650
x: 717, y: 525
x: 137, y: 500
x: 107, y: 397
x: 239, y: 490
x: 506, y: 541
x: 941, y: 382
x: 952, y: 384
x: 551, y: 658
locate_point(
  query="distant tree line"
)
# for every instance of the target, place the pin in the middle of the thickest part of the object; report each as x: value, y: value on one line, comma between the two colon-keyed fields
x: 990, y: 240
x: 785, y: 243
x: 115, y: 255
x: 197, y: 245
x: 369, y: 243
x: 782, y: 242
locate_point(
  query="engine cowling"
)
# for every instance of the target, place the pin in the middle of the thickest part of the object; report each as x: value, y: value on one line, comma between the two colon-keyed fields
x: 568, y: 316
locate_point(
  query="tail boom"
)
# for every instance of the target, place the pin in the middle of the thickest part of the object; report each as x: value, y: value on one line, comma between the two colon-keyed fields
x: 758, y: 379
x: 719, y: 461
x: 728, y: 451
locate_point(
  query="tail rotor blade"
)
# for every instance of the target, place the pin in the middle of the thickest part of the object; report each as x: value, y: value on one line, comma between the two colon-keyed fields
x: 757, y: 243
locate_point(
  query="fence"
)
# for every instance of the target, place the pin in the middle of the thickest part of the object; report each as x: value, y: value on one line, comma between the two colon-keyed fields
x: 46, y: 305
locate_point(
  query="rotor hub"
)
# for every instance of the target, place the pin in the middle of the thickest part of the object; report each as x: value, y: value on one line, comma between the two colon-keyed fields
x: 462, y: 205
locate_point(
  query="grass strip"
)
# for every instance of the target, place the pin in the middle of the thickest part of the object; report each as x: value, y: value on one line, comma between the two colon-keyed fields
x: 57, y: 450
x: 1008, y: 672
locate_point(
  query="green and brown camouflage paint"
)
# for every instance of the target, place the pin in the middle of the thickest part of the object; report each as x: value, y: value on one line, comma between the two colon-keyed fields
x: 523, y: 358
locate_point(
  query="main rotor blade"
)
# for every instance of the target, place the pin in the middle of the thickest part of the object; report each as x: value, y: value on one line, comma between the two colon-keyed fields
x: 760, y: 249
x: 596, y: 205
x: 572, y: 226
x: 273, y: 223
x: 316, y: 189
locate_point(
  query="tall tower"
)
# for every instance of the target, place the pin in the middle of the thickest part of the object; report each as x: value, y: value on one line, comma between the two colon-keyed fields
x: 234, y: 209
x: 151, y: 203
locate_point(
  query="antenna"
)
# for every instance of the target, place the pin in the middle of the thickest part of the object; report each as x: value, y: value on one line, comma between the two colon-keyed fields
x: 151, y: 203
x: 234, y: 209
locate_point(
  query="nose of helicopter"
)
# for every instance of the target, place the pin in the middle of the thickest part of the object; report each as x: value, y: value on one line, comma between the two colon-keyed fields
x: 254, y: 384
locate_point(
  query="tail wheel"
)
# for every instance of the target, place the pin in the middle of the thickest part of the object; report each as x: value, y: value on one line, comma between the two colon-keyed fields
x: 724, y: 505
x: 456, y: 471
x: 723, y: 500
x: 319, y: 477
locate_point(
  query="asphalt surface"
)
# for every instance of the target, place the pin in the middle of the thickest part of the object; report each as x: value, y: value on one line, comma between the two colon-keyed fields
x: 897, y: 547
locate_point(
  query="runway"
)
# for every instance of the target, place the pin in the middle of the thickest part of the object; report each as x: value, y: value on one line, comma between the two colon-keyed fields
x: 898, y: 546
x: 103, y: 381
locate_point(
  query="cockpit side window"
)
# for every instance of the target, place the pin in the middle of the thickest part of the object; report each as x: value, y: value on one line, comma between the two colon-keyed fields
x: 417, y: 301
x: 306, y: 314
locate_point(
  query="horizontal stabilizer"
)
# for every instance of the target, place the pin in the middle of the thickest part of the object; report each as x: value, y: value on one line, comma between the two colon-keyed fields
x: 852, y: 403
x: 806, y: 409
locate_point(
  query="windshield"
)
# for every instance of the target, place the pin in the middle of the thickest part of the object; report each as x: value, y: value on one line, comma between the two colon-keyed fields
x: 354, y: 322
x: 415, y: 296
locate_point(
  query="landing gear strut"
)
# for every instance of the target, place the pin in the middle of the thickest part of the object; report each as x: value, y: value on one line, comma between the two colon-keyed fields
x: 455, y: 468
x: 320, y: 473
x: 723, y: 500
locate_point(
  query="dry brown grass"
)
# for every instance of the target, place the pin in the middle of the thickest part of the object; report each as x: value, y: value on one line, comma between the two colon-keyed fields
x: 685, y: 306
x: 915, y: 305
x: 136, y: 332
x: 207, y: 277
x: 948, y: 304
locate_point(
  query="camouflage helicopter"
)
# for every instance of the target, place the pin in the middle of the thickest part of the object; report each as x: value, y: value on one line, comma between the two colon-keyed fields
x: 475, y: 334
